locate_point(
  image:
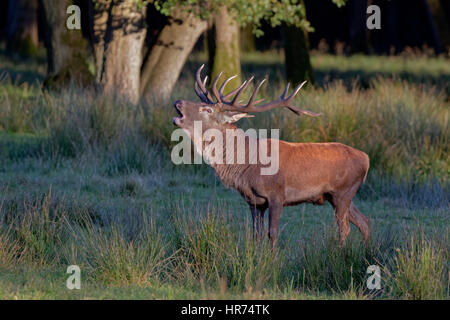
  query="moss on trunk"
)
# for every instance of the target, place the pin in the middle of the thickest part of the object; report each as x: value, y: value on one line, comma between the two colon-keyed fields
x: 66, y: 49
x: 226, y: 53
x: 248, y: 39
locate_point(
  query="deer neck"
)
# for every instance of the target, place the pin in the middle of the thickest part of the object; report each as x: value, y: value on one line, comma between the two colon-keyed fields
x: 227, y: 169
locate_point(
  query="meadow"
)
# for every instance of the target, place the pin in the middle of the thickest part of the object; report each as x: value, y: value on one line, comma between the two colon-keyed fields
x: 87, y: 180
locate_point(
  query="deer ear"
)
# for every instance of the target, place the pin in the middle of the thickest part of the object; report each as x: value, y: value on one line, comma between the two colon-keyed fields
x: 236, y: 117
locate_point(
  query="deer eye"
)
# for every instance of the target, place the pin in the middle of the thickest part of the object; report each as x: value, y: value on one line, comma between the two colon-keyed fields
x: 206, y: 109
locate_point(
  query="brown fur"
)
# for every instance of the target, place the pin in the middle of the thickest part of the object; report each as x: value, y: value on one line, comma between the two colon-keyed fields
x: 308, y: 172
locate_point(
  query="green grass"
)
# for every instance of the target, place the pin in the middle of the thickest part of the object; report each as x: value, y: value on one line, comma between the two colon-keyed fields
x: 87, y: 180
x: 188, y: 241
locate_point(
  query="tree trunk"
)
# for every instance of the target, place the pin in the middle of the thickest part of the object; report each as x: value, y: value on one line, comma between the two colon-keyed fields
x: 248, y: 39
x: 440, y: 10
x: 432, y: 34
x: 168, y: 56
x: 66, y: 49
x: 22, y: 26
x: 296, y: 51
x: 124, y: 38
x: 210, y: 42
x: 226, y: 55
x: 100, y: 13
x: 358, y: 32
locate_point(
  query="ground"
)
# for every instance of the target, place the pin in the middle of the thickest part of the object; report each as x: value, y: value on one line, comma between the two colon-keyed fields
x: 88, y: 181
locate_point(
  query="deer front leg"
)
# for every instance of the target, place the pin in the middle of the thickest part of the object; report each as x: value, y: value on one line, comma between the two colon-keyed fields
x: 258, y: 220
x: 275, y: 208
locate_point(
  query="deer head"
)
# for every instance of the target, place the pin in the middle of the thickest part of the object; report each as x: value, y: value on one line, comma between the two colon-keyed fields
x: 219, y: 109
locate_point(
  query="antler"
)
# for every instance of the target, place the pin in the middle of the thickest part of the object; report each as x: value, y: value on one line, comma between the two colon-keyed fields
x: 200, y: 88
x: 252, y: 105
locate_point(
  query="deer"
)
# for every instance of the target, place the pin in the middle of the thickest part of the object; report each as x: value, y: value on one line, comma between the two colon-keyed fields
x: 308, y: 172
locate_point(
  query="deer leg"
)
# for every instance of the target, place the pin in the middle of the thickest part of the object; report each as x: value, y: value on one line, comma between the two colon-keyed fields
x: 258, y: 220
x: 360, y: 221
x: 275, y: 208
x: 341, y: 213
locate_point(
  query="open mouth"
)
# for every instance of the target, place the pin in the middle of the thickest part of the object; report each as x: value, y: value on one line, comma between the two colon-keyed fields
x: 178, y: 120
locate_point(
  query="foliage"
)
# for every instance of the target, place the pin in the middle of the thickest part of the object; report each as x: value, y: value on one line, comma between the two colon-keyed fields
x: 246, y: 13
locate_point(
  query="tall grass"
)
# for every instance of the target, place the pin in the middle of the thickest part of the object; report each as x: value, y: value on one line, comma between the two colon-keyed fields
x: 218, y: 253
x: 419, y: 270
x: 209, y: 249
x: 115, y: 258
x: 402, y: 126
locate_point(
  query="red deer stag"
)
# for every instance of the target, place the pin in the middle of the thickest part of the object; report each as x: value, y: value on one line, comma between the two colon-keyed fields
x: 308, y: 172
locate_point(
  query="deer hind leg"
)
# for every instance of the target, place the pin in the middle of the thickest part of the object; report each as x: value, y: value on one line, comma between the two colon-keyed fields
x: 341, y: 213
x: 360, y: 221
x: 258, y: 220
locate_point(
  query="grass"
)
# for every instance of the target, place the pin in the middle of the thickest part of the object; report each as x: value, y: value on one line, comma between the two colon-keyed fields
x: 419, y: 270
x: 87, y: 180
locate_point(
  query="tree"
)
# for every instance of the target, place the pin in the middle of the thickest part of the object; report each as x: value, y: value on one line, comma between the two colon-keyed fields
x: 252, y: 13
x: 226, y: 46
x: 227, y: 16
x: 22, y: 26
x: 168, y: 56
x: 247, y: 39
x: 66, y: 49
x: 296, y: 50
x: 296, y: 27
x: 296, y: 47
x: 119, y: 34
x: 296, y: 53
x: 123, y: 66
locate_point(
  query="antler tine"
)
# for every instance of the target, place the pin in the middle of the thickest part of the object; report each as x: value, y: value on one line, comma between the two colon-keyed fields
x: 214, y: 88
x: 201, y: 85
x: 232, y: 92
x: 252, y: 98
x: 295, y: 91
x: 222, y: 87
x: 296, y: 110
x: 283, y: 95
x: 242, y: 88
x: 300, y: 112
x: 200, y: 94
